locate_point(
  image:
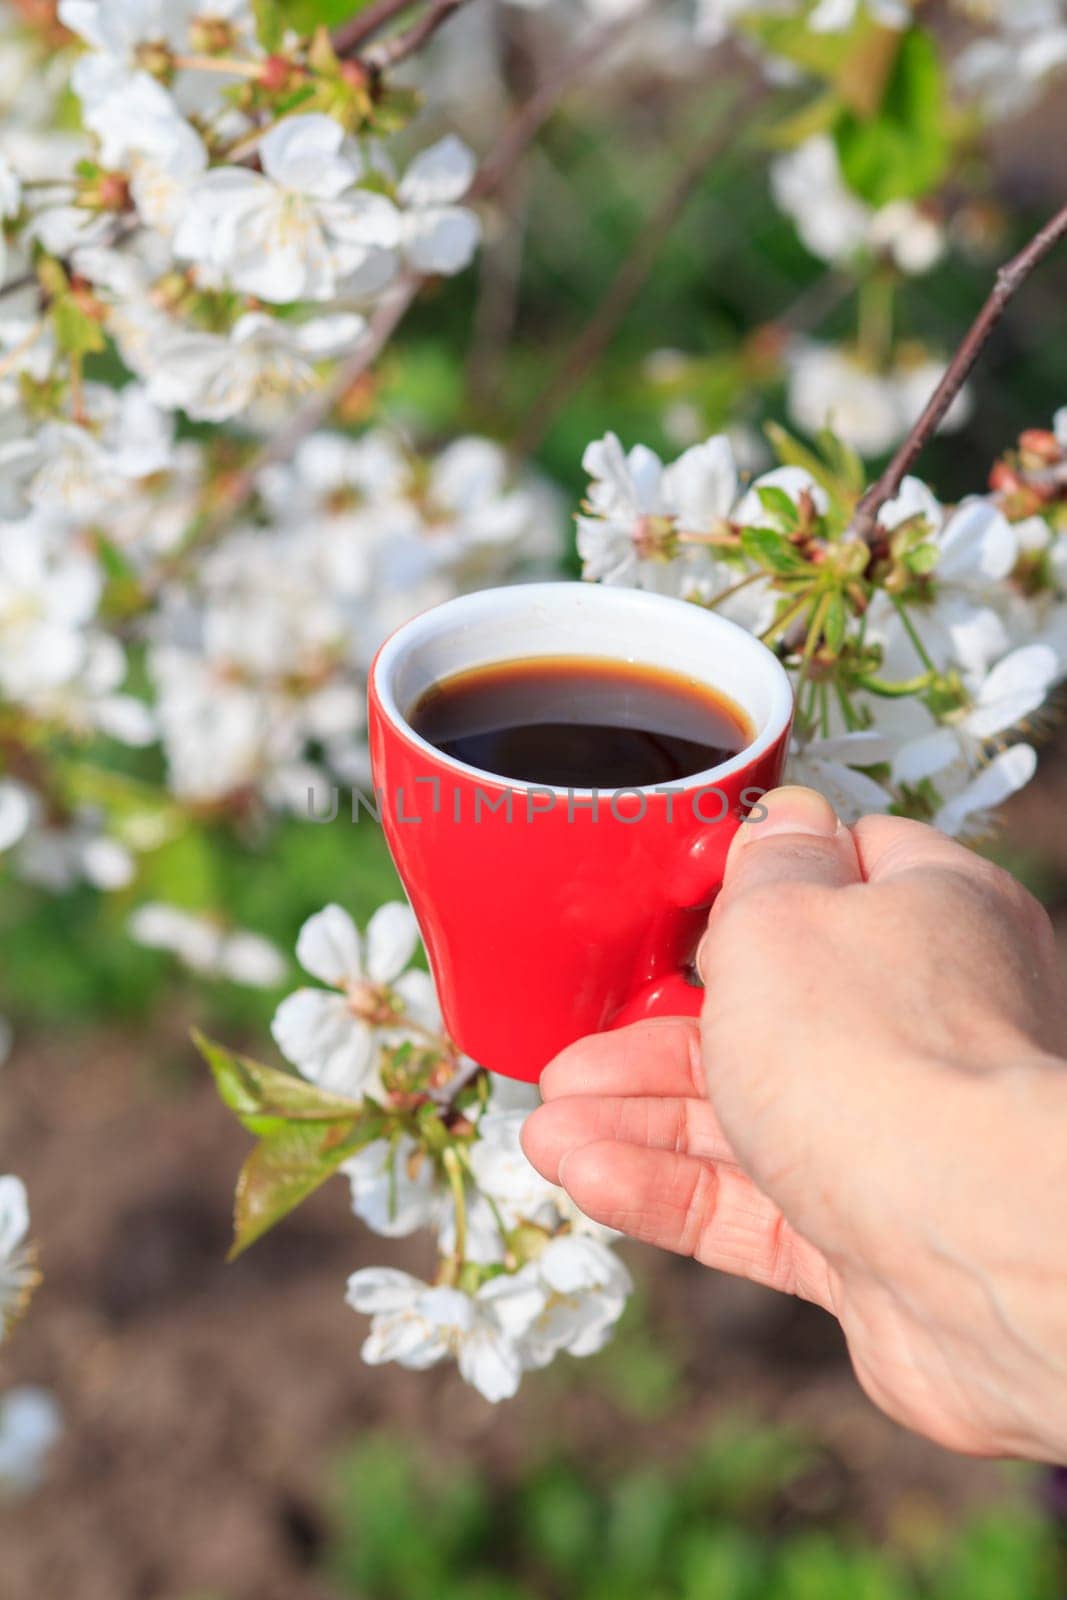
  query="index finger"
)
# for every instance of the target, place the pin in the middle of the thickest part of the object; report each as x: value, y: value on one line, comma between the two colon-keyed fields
x: 660, y: 1057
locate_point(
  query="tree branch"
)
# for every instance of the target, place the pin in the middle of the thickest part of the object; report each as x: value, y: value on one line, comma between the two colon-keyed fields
x: 314, y: 412
x: 392, y: 51
x: 599, y: 331
x: 347, y: 38
x: 527, y: 122
x: 1009, y: 281
x: 17, y: 284
x: 449, y: 1092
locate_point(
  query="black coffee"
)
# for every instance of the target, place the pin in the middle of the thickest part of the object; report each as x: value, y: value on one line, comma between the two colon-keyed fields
x: 578, y: 723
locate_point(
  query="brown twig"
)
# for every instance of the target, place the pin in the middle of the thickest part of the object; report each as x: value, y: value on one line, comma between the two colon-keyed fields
x: 527, y: 122
x: 347, y: 38
x: 496, y: 310
x: 316, y: 410
x: 449, y: 1092
x: 1009, y: 281
x: 594, y: 339
x: 16, y: 284
x: 392, y: 51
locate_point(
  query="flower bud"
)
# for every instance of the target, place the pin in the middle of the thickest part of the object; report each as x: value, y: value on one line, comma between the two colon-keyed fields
x: 81, y: 292
x: 1003, y: 479
x: 211, y: 36
x: 156, y: 59
x: 655, y: 538
x: 1040, y: 446
x: 355, y: 74
x: 113, y: 192
x: 277, y: 74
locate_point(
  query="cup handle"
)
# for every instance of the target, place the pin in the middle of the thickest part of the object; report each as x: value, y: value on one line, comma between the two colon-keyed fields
x: 672, y: 996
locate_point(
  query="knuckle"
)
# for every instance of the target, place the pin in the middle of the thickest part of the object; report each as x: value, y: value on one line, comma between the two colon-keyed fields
x: 1013, y: 898
x: 699, y: 1210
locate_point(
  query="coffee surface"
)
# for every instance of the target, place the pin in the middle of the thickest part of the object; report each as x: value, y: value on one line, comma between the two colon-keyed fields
x: 576, y: 722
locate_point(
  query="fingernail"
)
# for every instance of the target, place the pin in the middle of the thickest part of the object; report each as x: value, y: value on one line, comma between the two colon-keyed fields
x: 790, y: 809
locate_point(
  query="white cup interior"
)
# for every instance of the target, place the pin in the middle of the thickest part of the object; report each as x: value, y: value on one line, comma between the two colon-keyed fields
x: 580, y: 619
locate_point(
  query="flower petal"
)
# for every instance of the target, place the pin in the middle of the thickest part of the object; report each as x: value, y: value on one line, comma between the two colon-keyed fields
x: 382, y: 1289
x: 438, y: 175
x: 392, y: 939
x: 329, y: 947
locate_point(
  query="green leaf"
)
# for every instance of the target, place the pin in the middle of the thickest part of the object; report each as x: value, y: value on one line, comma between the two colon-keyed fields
x: 263, y: 1098
x: 821, y: 55
x: 778, y: 504
x: 844, y: 463
x: 771, y: 550
x: 304, y: 1135
x: 903, y: 151
x: 791, y: 453
x: 142, y: 815
x: 270, y: 23
x: 923, y: 559
x: 816, y: 116
x: 307, y: 15
x: 835, y: 622
x: 288, y: 1166
x: 77, y: 334
x: 321, y: 56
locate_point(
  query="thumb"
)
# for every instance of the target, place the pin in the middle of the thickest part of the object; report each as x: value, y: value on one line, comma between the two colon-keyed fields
x: 792, y: 836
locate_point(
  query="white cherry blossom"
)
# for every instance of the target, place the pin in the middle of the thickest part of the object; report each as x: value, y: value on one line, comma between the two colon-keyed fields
x: 31, y: 1425
x: 87, y: 467
x: 395, y: 1188
x: 332, y: 1035
x: 834, y: 766
x: 58, y: 856
x: 418, y: 1325
x: 17, y: 808
x: 954, y: 756
x: 957, y: 614
x: 1008, y: 71
x: 502, y: 1172
x: 437, y: 235
x: 142, y: 131
x: 129, y: 39
x: 18, y: 1275
x: 832, y: 386
x: 583, y: 1287
x: 970, y: 812
x: 837, y: 225
x: 635, y: 505
x: 299, y: 228
x: 118, y: 32
x: 831, y: 16
x: 48, y: 595
x: 208, y: 947
x: 212, y: 377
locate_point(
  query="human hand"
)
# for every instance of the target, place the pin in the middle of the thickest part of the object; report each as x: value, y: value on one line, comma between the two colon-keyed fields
x: 871, y: 1113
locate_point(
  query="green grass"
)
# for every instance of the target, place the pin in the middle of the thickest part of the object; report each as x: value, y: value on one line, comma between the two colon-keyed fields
x: 720, y: 1524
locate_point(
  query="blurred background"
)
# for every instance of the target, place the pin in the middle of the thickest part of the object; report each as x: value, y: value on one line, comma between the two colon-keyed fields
x: 221, y: 1438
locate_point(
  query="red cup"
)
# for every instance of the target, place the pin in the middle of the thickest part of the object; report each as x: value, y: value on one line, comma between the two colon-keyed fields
x: 550, y: 913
